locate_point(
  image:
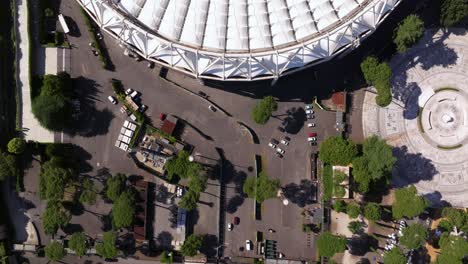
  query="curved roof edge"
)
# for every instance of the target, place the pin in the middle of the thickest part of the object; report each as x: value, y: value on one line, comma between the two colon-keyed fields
x: 237, y: 66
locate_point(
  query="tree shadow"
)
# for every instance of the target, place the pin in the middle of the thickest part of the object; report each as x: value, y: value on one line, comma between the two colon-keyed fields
x: 210, y: 242
x: 192, y: 220
x: 360, y: 245
x: 301, y: 194
x: 73, y: 27
x: 75, y: 208
x: 295, y: 120
x: 411, y: 168
x: 164, y: 241
x: 72, y: 228
x: 234, y: 203
x: 435, y: 198
x: 106, y: 222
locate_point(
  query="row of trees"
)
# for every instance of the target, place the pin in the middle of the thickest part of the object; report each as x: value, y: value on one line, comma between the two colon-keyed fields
x: 372, y: 165
x: 371, y: 211
x: 261, y: 188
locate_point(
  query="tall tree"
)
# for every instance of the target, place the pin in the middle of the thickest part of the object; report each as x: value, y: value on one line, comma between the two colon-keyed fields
x: 8, y: 165
x: 453, y: 11
x: 53, y: 180
x: 263, y: 110
x: 337, y: 151
x: 378, y: 74
x: 89, y: 192
x: 394, y: 256
x: 189, y: 200
x: 408, y: 32
x: 54, y: 217
x: 115, y: 186
x: 261, y: 188
x: 178, y: 166
x: 329, y: 244
x: 55, y: 251
x: 108, y: 247
x: 191, y: 245
x: 353, y: 209
x: 408, y: 196
x: 372, y: 212
x: 453, y: 249
x: 414, y: 236
x: 123, y: 210
x: 77, y: 243
x: 456, y: 218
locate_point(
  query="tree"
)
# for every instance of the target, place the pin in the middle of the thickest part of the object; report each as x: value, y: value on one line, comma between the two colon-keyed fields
x: 53, y: 180
x: 263, y: 110
x: 456, y: 217
x: 414, y: 236
x: 355, y: 227
x: 408, y: 196
x: 55, y: 251
x: 115, y: 186
x: 261, y: 188
x: 337, y: 151
x: 89, y: 192
x: 453, y: 249
x: 394, y: 256
x: 16, y: 145
x: 372, y: 212
x: 52, y: 112
x: 329, y: 244
x: 353, y: 209
x: 408, y: 32
x: 108, y: 248
x: 178, y: 166
x: 166, y: 257
x: 57, y: 85
x: 189, y: 200
x: 198, y: 178
x: 339, y: 206
x: 54, y: 217
x: 369, y: 68
x: 8, y: 165
x: 77, y: 243
x: 453, y: 11
x: 361, y: 174
x: 123, y: 210
x: 379, y: 75
x: 191, y: 245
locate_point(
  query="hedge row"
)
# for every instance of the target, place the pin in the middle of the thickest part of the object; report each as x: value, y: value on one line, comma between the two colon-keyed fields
x: 98, y: 44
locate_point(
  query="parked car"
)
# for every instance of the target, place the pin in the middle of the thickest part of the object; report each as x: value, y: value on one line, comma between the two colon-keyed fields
x: 162, y: 116
x: 279, y: 155
x: 142, y: 108
x: 274, y: 141
x: 281, y: 129
x: 287, y: 138
x: 248, y: 245
x: 279, y: 150
x: 112, y: 99
x: 134, y: 94
x: 179, y: 191
x: 284, y: 142
x: 230, y: 227
x: 236, y: 220
x: 271, y: 145
x: 312, y: 134
x: 311, y: 139
x: 309, y: 111
x: 212, y: 108
x: 308, y: 116
x: 308, y: 106
x: 313, y: 143
x: 311, y: 125
x: 284, y: 122
x: 129, y: 91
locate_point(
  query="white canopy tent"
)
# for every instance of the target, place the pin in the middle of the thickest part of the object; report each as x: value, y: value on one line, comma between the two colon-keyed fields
x: 238, y: 39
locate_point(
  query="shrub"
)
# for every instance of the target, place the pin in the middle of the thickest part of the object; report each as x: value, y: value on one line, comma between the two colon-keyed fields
x: 372, y: 212
x: 339, y: 206
x: 408, y: 32
x: 453, y: 11
x: 55, y: 251
x: 353, y: 209
x: 329, y: 244
x: 263, y: 110
x: 355, y: 227
x: 191, y: 245
x: 336, y: 150
x: 16, y: 145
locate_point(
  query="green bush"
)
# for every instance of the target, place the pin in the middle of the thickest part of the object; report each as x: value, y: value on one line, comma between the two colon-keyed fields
x: 355, y: 227
x: 372, y: 212
x: 261, y: 188
x: 16, y: 145
x: 339, y: 206
x: 263, y: 110
x: 327, y: 181
x: 166, y: 257
x: 55, y: 251
x: 379, y: 75
x: 453, y: 11
x: 353, y: 209
x: 408, y: 32
x: 329, y: 244
x: 336, y: 150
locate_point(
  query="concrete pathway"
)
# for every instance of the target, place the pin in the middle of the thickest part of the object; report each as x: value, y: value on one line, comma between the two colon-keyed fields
x: 31, y: 128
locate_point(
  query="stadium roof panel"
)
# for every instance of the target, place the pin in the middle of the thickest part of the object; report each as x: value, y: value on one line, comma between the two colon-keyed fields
x: 238, y: 39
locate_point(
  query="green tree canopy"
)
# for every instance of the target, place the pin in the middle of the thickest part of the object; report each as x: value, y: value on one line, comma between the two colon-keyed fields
x: 261, y: 188
x: 77, y: 243
x: 108, y: 247
x: 453, y: 249
x: 456, y: 218
x: 453, y: 11
x: 372, y: 212
x: 54, y: 217
x: 178, y: 166
x: 89, y: 192
x: 263, y: 110
x: 378, y: 74
x: 355, y: 227
x: 189, y: 200
x: 408, y: 32
x: 16, y: 145
x: 337, y: 151
x: 379, y: 157
x: 59, y: 84
x: 361, y: 174
x: 191, y: 245
x: 414, y: 236
x: 339, y: 206
x: 353, y: 209
x: 329, y: 244
x: 8, y: 165
x: 405, y: 197
x: 52, y: 112
x: 198, y: 178
x: 53, y: 180
x: 166, y: 257
x: 123, y: 210
x: 55, y: 251
x: 115, y: 186
x: 394, y: 256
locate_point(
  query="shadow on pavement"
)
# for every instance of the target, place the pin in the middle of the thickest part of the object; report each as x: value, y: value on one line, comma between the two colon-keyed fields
x: 301, y: 194
x: 411, y: 168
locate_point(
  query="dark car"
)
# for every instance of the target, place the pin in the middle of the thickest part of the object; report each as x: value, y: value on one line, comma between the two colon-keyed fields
x: 274, y: 141
x: 287, y: 138
x: 281, y: 129
x: 236, y: 220
x: 279, y: 155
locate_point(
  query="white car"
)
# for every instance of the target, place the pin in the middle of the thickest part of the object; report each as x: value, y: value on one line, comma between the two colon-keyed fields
x: 129, y: 91
x: 230, y: 226
x: 212, y: 108
x: 311, y: 139
x: 134, y: 94
x: 284, y: 142
x: 309, y: 112
x: 308, y: 106
x: 271, y: 145
x: 311, y: 125
x: 279, y: 150
x: 112, y: 99
x: 248, y: 245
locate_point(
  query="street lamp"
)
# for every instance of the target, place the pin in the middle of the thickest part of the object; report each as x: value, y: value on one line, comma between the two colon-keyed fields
x: 191, y: 158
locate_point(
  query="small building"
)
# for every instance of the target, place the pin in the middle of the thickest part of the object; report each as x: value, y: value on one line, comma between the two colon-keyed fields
x: 139, y: 227
x: 169, y: 124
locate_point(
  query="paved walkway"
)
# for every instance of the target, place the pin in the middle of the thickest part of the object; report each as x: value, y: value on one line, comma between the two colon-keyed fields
x: 31, y: 128
x: 425, y: 144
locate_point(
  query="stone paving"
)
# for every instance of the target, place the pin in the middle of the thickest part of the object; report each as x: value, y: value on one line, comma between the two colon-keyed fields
x: 430, y: 142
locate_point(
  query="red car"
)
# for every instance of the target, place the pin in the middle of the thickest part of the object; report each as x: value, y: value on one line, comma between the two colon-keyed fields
x: 236, y: 220
x: 162, y: 116
x: 312, y: 134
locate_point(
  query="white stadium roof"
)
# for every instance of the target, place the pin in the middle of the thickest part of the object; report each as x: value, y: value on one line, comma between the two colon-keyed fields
x: 238, y: 39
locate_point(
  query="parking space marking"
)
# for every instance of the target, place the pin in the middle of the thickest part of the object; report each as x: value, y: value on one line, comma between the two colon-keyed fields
x: 84, y: 69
